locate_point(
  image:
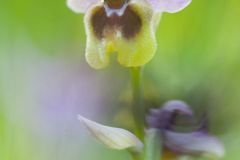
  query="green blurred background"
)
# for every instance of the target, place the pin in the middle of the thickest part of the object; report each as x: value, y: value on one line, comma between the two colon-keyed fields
x: 42, y: 55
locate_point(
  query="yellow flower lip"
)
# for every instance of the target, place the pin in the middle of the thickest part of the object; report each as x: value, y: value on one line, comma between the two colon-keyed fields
x: 130, y: 35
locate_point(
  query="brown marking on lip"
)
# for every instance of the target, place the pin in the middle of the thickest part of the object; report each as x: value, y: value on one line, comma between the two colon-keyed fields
x: 98, y: 21
x: 129, y: 23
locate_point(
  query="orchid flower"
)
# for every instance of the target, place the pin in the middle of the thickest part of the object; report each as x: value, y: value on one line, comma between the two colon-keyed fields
x: 197, y: 142
x: 125, y: 27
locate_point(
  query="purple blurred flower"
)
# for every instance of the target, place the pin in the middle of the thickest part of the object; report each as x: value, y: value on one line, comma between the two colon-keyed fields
x: 194, y: 142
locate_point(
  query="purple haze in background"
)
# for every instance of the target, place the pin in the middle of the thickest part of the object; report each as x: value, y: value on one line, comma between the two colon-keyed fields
x: 43, y: 97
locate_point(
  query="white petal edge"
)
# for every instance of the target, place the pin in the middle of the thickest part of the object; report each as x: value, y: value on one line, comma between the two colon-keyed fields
x: 194, y: 143
x: 170, y: 6
x: 115, y: 138
x: 80, y: 6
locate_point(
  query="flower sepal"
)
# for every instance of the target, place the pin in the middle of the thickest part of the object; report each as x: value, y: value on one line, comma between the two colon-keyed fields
x: 114, y: 138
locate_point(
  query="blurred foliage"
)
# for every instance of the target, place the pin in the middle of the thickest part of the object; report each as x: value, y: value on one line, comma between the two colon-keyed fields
x: 198, y: 60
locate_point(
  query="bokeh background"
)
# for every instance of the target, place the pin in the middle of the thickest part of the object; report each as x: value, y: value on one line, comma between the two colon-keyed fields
x: 45, y: 81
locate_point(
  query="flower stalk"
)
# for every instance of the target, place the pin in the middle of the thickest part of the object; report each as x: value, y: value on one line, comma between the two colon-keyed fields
x: 137, y: 101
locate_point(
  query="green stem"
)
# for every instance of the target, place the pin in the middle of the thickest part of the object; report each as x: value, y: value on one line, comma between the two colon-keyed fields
x: 137, y: 102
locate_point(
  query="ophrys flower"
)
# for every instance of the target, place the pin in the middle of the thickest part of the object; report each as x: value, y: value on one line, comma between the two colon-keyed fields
x: 125, y: 27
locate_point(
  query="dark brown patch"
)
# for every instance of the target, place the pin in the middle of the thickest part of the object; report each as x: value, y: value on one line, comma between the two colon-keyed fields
x: 130, y: 22
x: 99, y: 21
